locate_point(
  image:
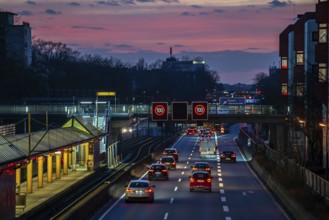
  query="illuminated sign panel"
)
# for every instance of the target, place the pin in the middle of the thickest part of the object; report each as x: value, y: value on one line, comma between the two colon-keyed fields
x: 159, y: 111
x: 199, y: 110
x: 179, y: 111
x: 106, y: 94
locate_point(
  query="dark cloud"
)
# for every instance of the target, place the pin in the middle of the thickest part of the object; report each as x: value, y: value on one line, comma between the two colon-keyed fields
x: 178, y: 45
x: 219, y: 10
x: 278, y: 4
x: 30, y: 2
x: 123, y: 46
x: 118, y: 2
x: 86, y: 27
x: 187, y: 13
x: 196, y: 6
x: 52, y: 12
x: 145, y: 1
x: 74, y: 4
x: 203, y: 13
x: 25, y: 13
x: 170, y: 1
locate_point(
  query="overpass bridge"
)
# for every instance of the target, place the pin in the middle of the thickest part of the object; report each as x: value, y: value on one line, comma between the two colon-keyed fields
x: 216, y: 112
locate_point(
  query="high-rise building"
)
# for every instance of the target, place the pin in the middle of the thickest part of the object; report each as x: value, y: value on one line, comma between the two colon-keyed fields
x: 304, y: 81
x: 15, y: 39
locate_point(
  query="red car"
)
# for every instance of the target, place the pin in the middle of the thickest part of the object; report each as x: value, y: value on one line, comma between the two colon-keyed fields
x: 200, y: 180
x: 189, y: 132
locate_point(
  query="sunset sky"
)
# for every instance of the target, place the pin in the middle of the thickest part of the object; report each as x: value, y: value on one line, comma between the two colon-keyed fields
x: 237, y: 38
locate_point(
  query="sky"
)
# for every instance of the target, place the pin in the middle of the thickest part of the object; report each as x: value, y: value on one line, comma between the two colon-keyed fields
x: 236, y: 38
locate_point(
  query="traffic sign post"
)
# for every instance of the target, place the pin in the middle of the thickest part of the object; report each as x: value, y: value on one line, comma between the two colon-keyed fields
x: 159, y: 111
x: 179, y: 111
x: 199, y: 110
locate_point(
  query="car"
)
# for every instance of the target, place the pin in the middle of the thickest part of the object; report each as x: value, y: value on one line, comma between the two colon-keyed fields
x: 200, y: 180
x: 168, y: 161
x: 190, y: 132
x: 158, y: 172
x: 139, y: 190
x: 171, y: 152
x: 201, y: 166
x: 228, y: 156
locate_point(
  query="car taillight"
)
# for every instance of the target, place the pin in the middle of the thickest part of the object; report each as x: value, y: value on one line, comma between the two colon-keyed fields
x: 222, y: 155
x: 175, y: 153
x: 195, y: 168
x: 192, y: 180
x: 209, y: 180
x: 148, y: 190
x: 164, y: 171
x: 233, y: 155
x: 208, y: 168
x: 151, y: 171
x: 164, y: 153
x: 128, y: 190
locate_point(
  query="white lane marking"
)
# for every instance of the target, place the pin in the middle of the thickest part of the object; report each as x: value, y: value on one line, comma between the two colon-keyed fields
x: 222, y: 191
x: 116, y: 202
x: 171, y: 200
x: 221, y: 185
x: 166, y: 216
x: 219, y: 174
x: 187, y: 162
x: 176, y: 188
x: 185, y: 167
x: 225, y: 208
x: 244, y: 193
x: 191, y: 155
x: 189, y: 158
x: 180, y: 179
x: 220, y: 179
x: 228, y: 218
x: 223, y: 199
x: 183, y: 173
x: 219, y: 170
x: 218, y: 167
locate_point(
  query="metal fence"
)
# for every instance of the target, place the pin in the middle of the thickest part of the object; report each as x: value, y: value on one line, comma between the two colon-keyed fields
x: 288, y: 166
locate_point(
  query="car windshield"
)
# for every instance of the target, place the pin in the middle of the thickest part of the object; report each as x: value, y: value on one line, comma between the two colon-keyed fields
x: 201, y: 165
x: 200, y: 175
x: 167, y: 159
x: 157, y: 168
x: 139, y: 184
x: 170, y: 151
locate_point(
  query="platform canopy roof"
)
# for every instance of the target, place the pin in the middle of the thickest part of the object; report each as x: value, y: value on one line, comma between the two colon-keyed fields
x: 76, y: 130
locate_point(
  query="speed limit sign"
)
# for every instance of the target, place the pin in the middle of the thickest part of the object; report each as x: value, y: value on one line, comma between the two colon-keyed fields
x: 159, y: 111
x: 199, y: 110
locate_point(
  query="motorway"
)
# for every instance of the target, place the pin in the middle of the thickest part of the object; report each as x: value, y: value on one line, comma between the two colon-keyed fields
x: 236, y: 192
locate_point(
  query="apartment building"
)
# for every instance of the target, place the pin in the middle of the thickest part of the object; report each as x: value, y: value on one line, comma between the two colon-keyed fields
x: 15, y: 39
x: 303, y: 51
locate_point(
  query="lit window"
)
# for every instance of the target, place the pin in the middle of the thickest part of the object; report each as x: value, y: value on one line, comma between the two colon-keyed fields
x: 322, y: 72
x: 323, y: 33
x: 284, y: 63
x: 299, y: 89
x: 284, y: 89
x: 300, y: 58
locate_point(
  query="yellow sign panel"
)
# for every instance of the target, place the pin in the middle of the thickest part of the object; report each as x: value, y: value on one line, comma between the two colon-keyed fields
x: 106, y: 94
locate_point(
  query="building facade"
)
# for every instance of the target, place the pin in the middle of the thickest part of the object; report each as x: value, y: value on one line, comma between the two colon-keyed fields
x: 15, y: 40
x: 303, y: 51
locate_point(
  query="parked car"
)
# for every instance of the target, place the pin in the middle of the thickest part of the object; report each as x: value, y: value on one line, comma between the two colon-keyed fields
x: 228, y: 156
x: 169, y: 161
x: 200, y: 180
x: 139, y: 190
x: 158, y: 172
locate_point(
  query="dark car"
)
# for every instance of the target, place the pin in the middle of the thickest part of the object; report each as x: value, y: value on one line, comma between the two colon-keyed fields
x: 228, y: 156
x: 139, y: 190
x: 158, y: 172
x: 171, y: 152
x: 201, y: 166
x: 169, y: 161
x: 200, y: 180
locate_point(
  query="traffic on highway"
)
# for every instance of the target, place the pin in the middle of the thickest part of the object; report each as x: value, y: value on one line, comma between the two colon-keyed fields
x: 227, y: 191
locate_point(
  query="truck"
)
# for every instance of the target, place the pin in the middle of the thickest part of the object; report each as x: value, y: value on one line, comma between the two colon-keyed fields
x: 208, y: 147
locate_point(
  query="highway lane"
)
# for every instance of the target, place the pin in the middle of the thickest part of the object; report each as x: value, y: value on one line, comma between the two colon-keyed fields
x: 236, y: 194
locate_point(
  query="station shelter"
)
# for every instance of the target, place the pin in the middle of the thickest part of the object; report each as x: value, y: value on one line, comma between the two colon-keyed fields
x: 44, y: 156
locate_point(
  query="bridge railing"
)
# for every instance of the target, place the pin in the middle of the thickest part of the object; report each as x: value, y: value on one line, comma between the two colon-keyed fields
x: 127, y: 110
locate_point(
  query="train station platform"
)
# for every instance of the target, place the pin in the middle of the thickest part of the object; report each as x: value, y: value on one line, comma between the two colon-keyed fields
x: 49, y: 190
